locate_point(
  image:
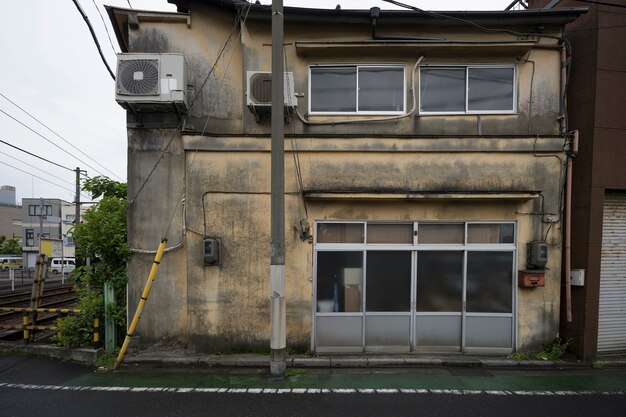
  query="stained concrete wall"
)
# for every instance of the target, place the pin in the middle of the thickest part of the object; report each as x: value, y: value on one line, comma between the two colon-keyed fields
x: 187, y: 186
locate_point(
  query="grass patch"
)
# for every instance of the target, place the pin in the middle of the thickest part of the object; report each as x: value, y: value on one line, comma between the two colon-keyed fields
x: 106, y: 361
x: 551, y: 352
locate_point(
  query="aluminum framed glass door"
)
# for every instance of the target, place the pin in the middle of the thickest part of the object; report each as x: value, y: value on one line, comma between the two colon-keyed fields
x: 439, y: 300
x: 388, y: 301
x: 423, y: 287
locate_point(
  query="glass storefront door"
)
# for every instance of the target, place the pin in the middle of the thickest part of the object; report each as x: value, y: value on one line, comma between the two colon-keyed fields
x: 392, y: 289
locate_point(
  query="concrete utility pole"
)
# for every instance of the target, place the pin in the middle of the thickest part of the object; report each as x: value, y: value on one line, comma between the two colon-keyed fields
x: 278, y: 340
x: 77, y: 214
x: 41, y: 217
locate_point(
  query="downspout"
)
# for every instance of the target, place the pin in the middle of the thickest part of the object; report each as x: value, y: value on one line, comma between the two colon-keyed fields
x: 568, y: 226
x: 573, y: 150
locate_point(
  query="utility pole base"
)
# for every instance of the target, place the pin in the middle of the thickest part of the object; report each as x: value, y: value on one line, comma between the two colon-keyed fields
x: 277, y: 364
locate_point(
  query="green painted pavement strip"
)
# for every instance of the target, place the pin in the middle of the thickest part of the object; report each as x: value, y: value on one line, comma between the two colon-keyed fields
x: 338, y: 379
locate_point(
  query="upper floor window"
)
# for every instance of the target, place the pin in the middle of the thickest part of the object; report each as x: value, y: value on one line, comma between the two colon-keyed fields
x: 36, y: 210
x: 357, y: 89
x: 467, y: 89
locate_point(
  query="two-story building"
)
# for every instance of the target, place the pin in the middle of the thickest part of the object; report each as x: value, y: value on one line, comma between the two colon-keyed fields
x: 425, y: 167
x: 48, y: 218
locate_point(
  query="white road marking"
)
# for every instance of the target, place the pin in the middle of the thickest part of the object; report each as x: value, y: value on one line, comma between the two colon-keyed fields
x: 362, y: 391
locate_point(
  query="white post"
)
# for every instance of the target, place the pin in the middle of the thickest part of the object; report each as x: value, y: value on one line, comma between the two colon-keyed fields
x: 12, y: 278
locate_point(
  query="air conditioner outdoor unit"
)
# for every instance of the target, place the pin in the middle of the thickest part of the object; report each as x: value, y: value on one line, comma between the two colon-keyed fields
x: 259, y: 92
x: 151, y: 82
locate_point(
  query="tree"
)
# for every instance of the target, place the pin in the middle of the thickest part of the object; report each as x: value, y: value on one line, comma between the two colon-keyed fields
x: 10, y: 247
x: 101, y: 237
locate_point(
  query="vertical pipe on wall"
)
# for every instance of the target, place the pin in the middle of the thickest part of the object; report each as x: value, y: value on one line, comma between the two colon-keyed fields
x: 568, y: 194
x: 568, y: 227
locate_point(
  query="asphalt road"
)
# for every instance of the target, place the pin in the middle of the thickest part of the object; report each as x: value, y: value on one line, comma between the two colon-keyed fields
x: 31, y: 386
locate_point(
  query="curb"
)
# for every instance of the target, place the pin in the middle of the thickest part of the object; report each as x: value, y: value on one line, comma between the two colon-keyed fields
x: 79, y: 355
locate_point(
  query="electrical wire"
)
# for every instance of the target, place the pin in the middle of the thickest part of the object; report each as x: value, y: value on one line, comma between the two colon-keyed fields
x: 178, y: 129
x: 36, y: 156
x: 51, y: 142
x: 41, y: 178
x: 95, y: 38
x: 44, y: 171
x: 105, y: 26
x: 65, y: 140
x: 181, y: 199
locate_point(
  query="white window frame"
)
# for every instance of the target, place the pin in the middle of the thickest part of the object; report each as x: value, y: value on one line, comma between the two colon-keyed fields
x: 467, y: 67
x: 356, y: 104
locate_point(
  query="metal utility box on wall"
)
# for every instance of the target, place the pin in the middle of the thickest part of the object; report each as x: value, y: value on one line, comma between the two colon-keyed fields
x: 537, y: 255
x: 531, y: 279
x: 151, y: 82
x: 211, y: 251
x: 577, y: 277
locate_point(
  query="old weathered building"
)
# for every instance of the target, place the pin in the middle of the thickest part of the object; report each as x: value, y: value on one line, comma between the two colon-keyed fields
x: 425, y: 162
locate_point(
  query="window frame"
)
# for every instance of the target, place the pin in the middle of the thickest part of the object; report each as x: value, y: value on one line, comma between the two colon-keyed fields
x: 467, y: 111
x: 33, y: 208
x: 356, y: 104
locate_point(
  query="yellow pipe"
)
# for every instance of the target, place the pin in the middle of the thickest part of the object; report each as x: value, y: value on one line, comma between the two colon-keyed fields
x: 142, y: 302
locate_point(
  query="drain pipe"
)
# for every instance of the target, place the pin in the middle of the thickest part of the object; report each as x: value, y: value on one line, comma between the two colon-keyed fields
x: 573, y: 151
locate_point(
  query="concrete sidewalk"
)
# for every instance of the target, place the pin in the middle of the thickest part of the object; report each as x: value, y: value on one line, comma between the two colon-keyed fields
x: 181, y: 358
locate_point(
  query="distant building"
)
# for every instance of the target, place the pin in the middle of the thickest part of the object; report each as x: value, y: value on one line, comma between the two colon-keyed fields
x: 7, y: 195
x: 47, y: 218
x: 10, y: 213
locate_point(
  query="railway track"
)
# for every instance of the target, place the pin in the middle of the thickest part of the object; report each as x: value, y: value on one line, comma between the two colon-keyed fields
x: 57, y: 297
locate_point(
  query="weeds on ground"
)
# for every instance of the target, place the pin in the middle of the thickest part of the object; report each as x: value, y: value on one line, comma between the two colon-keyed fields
x: 107, y: 360
x: 551, y: 352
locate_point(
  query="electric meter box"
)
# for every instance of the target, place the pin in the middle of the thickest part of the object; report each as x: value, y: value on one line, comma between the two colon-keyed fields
x: 211, y: 251
x: 538, y: 255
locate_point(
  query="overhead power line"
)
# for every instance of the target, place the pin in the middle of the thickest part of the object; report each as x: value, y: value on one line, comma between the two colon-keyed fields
x: 63, y: 139
x: 36, y: 156
x: 44, y: 171
x: 43, y: 179
x: 95, y: 38
x: 105, y: 26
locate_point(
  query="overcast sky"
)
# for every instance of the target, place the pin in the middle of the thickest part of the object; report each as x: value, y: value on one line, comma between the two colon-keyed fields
x: 50, y: 67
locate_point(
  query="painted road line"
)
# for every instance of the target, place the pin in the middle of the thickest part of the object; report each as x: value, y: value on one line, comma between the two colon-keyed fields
x: 256, y: 391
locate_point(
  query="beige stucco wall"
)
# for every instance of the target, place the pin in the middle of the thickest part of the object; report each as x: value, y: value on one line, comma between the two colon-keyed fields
x: 229, y: 304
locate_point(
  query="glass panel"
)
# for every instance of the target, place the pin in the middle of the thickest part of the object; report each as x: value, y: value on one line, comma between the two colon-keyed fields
x: 381, y: 89
x: 388, y: 281
x: 442, y: 89
x: 490, y: 233
x: 489, y: 282
x: 390, y: 233
x: 439, y: 281
x: 339, y: 282
x: 490, y: 89
x: 440, y: 233
x: 340, y: 233
x: 333, y: 89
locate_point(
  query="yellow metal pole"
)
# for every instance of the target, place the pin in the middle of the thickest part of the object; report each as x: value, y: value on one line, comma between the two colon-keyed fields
x: 142, y: 302
x: 25, y: 323
x: 96, y: 330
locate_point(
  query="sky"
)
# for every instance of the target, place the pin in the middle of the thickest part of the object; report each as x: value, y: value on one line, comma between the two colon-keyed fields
x: 51, y: 69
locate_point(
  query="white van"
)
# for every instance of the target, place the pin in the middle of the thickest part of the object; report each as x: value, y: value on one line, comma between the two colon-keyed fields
x: 65, y: 265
